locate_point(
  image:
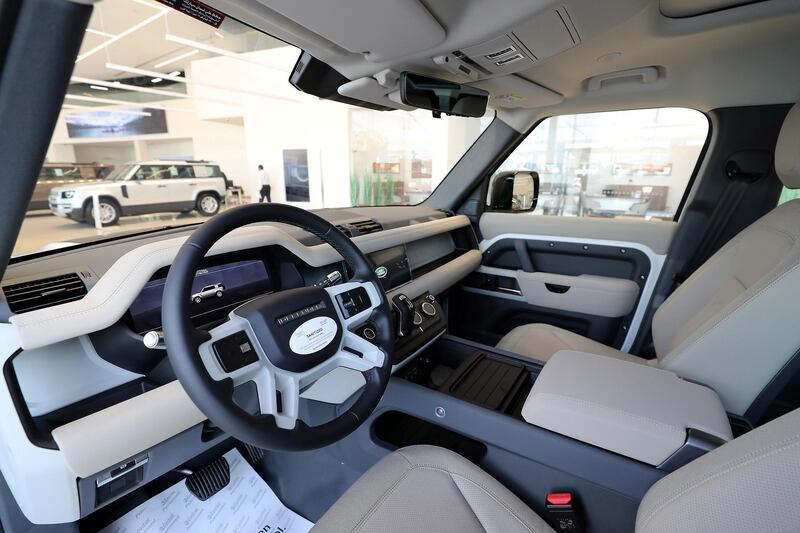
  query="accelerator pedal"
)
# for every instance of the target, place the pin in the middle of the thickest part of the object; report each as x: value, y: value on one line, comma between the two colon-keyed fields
x: 210, y: 479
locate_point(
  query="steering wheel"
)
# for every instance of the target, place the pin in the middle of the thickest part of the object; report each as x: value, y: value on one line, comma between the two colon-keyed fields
x: 282, y: 342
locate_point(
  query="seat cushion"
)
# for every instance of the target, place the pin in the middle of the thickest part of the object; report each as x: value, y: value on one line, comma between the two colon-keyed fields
x: 541, y: 341
x: 425, y: 488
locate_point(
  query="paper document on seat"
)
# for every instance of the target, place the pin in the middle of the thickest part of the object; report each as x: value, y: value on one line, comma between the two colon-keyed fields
x: 246, y: 505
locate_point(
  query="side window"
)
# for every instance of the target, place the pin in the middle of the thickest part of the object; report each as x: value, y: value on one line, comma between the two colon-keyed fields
x: 144, y: 173
x: 179, y: 172
x: 618, y: 164
x: 207, y: 171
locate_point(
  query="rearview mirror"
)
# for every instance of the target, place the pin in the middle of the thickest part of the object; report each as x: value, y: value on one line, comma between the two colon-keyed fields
x: 442, y: 96
x: 516, y: 190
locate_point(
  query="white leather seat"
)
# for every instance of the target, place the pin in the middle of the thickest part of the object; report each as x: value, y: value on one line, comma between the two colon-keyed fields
x: 732, y: 324
x: 748, y: 484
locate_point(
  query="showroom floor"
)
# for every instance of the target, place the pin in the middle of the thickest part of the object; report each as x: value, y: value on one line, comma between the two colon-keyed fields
x: 41, y: 228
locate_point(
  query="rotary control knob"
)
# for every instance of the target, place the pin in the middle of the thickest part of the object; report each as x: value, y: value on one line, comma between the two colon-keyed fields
x: 428, y: 309
x: 368, y: 333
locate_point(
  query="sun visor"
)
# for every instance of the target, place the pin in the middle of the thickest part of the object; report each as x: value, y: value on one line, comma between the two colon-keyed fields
x: 513, y: 91
x: 368, y: 89
x: 379, y: 29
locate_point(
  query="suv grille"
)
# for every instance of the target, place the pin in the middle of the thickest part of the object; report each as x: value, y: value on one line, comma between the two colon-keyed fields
x: 32, y: 295
x: 361, y: 227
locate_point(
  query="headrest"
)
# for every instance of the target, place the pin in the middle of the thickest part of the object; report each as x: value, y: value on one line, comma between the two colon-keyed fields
x: 787, y: 151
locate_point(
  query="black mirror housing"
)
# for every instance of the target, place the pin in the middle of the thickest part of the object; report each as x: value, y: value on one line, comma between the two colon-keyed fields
x: 516, y: 191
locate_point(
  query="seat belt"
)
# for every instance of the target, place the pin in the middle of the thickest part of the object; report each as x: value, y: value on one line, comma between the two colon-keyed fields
x: 717, y: 224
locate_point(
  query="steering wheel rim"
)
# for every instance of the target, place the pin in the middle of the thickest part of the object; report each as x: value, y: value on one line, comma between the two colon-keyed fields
x: 191, y: 351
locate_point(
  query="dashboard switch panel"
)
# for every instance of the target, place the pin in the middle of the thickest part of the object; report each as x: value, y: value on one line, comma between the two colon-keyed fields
x: 235, y: 352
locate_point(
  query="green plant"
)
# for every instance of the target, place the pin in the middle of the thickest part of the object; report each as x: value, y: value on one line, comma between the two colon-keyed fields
x: 354, y: 189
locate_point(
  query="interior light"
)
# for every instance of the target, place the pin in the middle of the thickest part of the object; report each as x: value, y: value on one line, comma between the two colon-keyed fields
x: 98, y: 87
x: 176, y: 58
x: 174, y: 73
x: 156, y: 80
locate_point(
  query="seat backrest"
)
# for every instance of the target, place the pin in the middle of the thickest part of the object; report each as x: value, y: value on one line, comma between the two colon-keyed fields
x: 748, y: 484
x: 732, y: 325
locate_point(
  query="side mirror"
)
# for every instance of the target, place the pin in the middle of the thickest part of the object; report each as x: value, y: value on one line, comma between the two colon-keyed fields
x: 516, y: 191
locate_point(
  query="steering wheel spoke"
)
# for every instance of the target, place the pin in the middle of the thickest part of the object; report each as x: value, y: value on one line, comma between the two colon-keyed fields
x: 278, y: 395
x: 237, y: 355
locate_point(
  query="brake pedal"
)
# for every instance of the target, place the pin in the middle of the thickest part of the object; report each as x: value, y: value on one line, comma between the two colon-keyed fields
x: 254, y: 455
x: 210, y: 479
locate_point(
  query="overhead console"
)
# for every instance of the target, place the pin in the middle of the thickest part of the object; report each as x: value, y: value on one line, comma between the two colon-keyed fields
x: 543, y: 36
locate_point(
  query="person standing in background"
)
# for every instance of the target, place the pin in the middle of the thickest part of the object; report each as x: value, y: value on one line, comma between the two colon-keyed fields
x: 266, y: 188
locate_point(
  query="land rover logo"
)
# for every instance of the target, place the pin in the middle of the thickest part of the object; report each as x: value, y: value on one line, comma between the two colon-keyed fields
x: 381, y: 271
x: 313, y: 335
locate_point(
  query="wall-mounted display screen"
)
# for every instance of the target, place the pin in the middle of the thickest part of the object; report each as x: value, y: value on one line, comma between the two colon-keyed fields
x: 215, y: 291
x: 117, y: 123
x: 391, y: 266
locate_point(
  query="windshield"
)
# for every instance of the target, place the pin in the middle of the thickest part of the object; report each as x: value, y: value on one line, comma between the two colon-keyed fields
x: 210, y: 120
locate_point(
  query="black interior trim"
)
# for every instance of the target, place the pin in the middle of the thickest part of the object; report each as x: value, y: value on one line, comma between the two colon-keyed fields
x: 22, y: 150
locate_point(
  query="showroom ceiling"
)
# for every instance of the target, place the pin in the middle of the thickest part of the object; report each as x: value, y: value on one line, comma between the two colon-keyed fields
x: 113, y: 50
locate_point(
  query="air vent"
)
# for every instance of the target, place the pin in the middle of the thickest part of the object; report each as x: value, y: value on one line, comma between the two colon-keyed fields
x: 32, y: 295
x: 361, y: 227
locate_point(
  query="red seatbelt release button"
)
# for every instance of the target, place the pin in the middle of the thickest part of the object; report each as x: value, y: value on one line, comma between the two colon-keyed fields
x: 559, y: 498
x: 562, y: 512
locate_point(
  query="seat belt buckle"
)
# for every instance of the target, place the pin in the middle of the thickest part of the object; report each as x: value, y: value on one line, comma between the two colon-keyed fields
x: 562, y: 512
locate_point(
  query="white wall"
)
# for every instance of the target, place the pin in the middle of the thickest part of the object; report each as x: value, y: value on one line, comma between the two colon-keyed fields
x: 108, y: 153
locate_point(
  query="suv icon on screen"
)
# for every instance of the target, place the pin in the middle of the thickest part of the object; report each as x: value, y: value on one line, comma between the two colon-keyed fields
x: 143, y: 188
x: 209, y: 291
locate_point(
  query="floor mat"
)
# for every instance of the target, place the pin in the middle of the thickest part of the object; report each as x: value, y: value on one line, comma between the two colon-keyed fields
x: 247, y: 504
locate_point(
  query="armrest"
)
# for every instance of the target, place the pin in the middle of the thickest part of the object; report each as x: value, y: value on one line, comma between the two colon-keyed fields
x: 635, y: 410
x: 592, y: 295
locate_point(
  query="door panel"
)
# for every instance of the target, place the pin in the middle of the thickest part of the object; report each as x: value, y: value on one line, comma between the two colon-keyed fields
x: 590, y: 276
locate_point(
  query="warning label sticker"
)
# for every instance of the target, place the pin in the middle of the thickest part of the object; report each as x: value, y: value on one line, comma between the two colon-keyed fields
x: 196, y: 10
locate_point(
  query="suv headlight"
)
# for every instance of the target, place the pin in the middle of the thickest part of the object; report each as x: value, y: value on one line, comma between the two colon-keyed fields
x: 67, y: 194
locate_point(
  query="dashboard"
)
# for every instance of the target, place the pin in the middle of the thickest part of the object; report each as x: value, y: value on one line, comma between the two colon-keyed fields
x: 77, y: 373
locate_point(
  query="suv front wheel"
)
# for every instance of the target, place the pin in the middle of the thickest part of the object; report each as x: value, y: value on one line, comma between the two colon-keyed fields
x: 207, y: 204
x: 109, y: 212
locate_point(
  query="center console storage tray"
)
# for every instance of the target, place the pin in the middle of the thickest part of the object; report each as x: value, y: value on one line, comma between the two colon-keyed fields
x: 487, y: 380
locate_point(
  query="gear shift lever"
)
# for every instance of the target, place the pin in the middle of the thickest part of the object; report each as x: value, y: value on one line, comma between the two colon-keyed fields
x: 404, y: 309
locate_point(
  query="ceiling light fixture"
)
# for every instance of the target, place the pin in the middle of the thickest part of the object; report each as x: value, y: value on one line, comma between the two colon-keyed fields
x: 124, y: 86
x: 98, y: 87
x: 100, y: 33
x: 218, y: 34
x: 174, y: 73
x: 188, y: 81
x: 156, y: 80
x: 176, y: 58
x: 217, y: 51
x: 123, y: 103
x: 119, y: 36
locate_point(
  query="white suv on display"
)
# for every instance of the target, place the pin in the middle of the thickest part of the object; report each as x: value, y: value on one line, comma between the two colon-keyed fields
x: 141, y: 188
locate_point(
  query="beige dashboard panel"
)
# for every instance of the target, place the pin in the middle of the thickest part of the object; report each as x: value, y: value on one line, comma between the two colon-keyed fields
x: 115, y: 291
x: 107, y: 437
